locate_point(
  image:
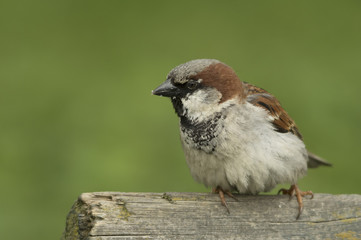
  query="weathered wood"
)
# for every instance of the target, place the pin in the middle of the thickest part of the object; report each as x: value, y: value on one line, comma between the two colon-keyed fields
x: 114, y: 216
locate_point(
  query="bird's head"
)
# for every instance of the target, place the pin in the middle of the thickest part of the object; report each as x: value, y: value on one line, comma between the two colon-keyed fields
x: 200, y: 86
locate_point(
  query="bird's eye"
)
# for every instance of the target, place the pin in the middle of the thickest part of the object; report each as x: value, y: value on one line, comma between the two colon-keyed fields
x: 192, y: 84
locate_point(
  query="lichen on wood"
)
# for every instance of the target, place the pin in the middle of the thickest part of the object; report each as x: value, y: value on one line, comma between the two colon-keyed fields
x: 115, y: 216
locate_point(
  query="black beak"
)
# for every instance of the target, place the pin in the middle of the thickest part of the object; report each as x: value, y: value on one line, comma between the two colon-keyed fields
x: 166, y: 89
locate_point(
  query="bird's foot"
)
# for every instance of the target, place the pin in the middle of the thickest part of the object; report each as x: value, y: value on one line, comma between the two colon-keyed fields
x: 221, y: 193
x: 294, y: 190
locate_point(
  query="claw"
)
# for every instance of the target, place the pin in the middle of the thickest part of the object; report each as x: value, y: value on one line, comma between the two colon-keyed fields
x: 223, y: 200
x: 221, y: 193
x: 229, y: 194
x: 294, y: 190
x: 300, y: 210
x: 290, y: 192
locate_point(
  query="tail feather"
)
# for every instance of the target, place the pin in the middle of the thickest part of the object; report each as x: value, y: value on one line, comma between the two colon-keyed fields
x: 315, y: 161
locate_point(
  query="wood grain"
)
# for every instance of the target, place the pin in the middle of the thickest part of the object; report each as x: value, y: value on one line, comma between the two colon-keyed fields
x: 173, y: 215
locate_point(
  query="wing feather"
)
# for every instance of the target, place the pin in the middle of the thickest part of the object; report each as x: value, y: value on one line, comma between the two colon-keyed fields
x: 282, y: 121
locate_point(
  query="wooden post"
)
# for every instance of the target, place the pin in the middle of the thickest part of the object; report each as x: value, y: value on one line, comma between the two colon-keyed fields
x: 115, y: 216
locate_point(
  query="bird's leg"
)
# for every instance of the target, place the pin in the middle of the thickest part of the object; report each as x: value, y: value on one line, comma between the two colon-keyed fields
x: 294, y: 190
x: 221, y: 193
x: 289, y: 192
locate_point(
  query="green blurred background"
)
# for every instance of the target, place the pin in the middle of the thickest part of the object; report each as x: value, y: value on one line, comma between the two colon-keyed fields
x: 77, y: 114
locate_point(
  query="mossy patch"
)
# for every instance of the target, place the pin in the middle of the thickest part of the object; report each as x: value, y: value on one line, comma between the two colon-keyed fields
x: 168, y: 198
x: 349, y: 235
x: 349, y: 220
x: 124, y: 214
x: 78, y: 222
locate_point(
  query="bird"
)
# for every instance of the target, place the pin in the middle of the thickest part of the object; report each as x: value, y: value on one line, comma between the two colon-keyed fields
x: 236, y: 137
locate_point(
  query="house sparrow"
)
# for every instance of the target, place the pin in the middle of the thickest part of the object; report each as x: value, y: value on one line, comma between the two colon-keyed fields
x: 235, y: 136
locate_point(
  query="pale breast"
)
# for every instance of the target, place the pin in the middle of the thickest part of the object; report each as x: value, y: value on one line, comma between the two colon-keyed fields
x: 240, y: 149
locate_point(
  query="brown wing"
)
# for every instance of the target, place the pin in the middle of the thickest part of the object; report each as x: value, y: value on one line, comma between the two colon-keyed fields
x: 282, y: 121
x: 259, y: 97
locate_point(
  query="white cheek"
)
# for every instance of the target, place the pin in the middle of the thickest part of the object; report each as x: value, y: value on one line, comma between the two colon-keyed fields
x: 201, y: 104
x: 193, y: 105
